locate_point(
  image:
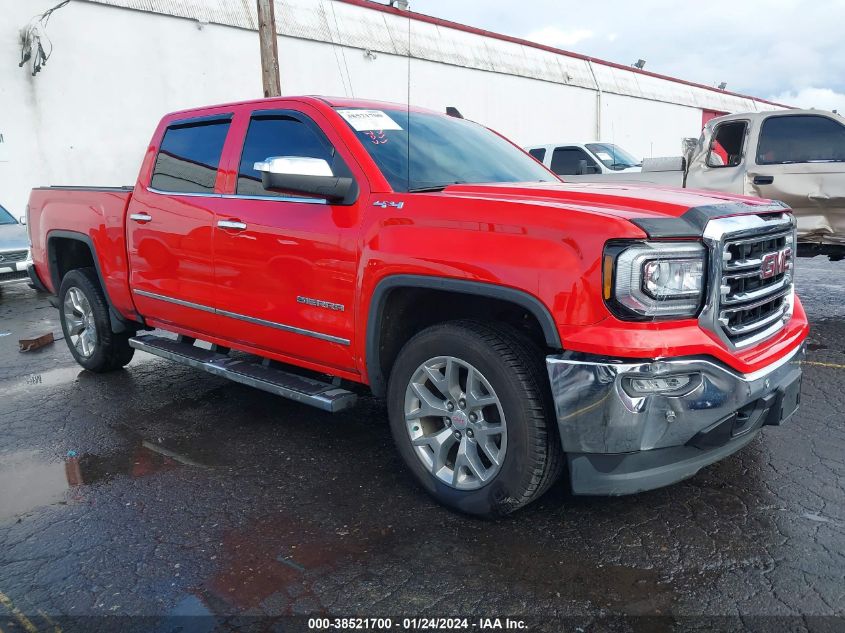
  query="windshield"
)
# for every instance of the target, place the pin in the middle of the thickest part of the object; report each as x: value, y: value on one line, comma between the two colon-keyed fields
x: 6, y: 217
x: 443, y: 150
x: 613, y: 156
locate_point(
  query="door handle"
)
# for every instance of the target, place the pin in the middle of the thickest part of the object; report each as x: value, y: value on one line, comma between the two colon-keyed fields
x: 231, y: 224
x: 143, y: 218
x: 763, y: 180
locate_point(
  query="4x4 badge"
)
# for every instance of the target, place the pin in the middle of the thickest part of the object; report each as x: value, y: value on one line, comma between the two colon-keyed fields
x: 384, y: 205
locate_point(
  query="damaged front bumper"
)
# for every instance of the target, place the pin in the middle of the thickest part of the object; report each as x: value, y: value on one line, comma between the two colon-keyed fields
x: 627, y: 427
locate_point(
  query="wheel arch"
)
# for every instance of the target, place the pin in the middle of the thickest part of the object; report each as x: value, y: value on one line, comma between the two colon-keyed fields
x: 57, y: 241
x: 380, y: 301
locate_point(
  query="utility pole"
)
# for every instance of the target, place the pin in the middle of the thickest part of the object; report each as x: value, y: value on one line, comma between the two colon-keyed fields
x: 269, y: 49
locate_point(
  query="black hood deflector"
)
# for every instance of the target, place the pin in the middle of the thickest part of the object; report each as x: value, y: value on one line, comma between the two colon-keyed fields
x: 693, y: 222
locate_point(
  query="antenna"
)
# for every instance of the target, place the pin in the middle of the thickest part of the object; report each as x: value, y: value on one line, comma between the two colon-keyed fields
x: 405, y: 6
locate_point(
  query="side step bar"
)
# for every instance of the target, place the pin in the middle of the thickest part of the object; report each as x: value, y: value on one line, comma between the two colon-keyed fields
x: 306, y: 390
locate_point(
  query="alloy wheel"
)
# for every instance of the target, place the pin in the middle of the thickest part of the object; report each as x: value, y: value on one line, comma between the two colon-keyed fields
x: 79, y: 319
x: 455, y: 421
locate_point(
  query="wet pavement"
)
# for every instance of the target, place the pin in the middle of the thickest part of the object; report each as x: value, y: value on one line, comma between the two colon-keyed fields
x: 159, y: 492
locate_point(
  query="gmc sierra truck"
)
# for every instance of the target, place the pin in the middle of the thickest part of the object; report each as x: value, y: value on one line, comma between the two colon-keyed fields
x: 514, y: 324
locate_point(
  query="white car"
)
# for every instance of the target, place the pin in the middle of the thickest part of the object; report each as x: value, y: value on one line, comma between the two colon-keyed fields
x: 15, y: 257
x: 584, y: 159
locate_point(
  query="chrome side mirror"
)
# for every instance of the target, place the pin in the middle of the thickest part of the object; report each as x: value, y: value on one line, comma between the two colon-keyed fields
x: 294, y: 166
x: 306, y: 176
x: 22, y: 220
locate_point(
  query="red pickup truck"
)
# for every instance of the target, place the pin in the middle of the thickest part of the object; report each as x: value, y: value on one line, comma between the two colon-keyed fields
x: 513, y: 323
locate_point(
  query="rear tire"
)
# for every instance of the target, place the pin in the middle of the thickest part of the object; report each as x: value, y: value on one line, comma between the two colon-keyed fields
x: 86, y: 324
x: 440, y: 423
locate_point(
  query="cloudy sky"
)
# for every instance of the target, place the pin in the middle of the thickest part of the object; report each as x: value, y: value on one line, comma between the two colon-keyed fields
x: 789, y: 51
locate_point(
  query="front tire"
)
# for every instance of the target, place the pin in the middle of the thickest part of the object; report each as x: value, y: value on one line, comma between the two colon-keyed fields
x: 469, y: 412
x: 86, y: 325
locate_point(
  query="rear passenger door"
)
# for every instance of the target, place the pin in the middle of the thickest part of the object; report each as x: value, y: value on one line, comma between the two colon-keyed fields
x: 285, y: 264
x: 169, y: 227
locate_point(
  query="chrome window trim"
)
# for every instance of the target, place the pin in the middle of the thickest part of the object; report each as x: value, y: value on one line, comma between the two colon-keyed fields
x: 242, y: 317
x: 232, y: 196
x: 716, y: 235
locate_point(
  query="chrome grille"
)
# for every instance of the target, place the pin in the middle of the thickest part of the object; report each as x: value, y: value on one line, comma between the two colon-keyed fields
x: 9, y: 257
x: 755, y: 294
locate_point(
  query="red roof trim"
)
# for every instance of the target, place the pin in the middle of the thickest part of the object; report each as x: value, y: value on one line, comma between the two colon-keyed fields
x: 421, y: 17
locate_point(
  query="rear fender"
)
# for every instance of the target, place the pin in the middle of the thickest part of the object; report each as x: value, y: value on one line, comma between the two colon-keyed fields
x: 119, y: 324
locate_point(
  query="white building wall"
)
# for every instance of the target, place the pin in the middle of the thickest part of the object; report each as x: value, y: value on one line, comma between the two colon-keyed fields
x: 88, y: 116
x: 647, y: 128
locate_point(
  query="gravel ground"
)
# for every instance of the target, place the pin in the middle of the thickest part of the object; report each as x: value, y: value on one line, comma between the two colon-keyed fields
x: 160, y: 498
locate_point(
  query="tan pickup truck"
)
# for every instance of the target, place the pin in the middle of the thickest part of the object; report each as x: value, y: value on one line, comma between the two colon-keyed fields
x: 797, y: 156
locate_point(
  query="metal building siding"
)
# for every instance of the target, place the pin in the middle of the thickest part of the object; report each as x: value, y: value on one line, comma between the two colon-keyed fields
x: 354, y: 26
x: 239, y: 13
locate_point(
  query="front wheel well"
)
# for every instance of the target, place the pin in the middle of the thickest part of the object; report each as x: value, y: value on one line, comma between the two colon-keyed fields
x: 399, y: 312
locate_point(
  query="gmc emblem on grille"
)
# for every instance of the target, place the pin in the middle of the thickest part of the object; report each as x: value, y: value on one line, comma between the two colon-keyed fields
x: 775, y: 263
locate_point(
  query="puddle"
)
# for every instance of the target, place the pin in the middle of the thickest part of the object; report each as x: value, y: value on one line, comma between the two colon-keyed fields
x: 29, y: 481
x: 50, y: 378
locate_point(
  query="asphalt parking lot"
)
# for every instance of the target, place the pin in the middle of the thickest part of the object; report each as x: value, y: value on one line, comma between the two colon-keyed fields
x: 160, y: 491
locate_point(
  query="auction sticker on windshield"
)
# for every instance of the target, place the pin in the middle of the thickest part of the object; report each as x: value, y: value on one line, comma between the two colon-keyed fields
x: 368, y: 120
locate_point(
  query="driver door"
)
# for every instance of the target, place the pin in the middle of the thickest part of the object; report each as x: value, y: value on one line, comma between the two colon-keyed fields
x: 284, y: 264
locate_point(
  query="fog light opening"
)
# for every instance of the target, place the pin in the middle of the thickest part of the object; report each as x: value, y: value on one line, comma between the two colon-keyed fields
x: 676, y: 384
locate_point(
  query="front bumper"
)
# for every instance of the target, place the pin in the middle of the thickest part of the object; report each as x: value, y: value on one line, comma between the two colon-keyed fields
x: 617, y: 443
x: 14, y: 272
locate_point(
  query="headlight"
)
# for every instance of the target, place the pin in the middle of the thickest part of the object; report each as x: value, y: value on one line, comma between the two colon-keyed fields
x: 654, y: 279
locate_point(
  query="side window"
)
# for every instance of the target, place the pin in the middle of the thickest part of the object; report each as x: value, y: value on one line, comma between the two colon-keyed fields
x: 539, y: 153
x: 566, y: 161
x: 188, y: 157
x: 281, y: 135
x: 727, y: 144
x: 801, y: 138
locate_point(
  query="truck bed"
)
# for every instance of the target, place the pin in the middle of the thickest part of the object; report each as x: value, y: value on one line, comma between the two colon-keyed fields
x: 97, y: 214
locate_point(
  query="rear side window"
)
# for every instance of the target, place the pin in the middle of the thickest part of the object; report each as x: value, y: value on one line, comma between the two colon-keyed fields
x: 800, y: 139
x: 538, y: 153
x: 566, y: 161
x: 282, y: 135
x: 188, y: 158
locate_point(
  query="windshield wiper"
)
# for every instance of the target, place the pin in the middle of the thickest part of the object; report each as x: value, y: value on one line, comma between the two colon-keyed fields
x: 435, y: 187
x: 427, y: 189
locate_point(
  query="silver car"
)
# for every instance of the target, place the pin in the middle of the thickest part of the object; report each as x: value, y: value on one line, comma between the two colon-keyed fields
x: 15, y: 257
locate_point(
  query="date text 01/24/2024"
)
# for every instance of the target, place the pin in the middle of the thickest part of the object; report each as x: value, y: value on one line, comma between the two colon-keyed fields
x: 415, y: 624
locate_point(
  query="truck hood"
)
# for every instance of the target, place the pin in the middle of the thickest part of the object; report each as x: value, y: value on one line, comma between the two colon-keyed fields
x: 13, y: 237
x: 659, y: 211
